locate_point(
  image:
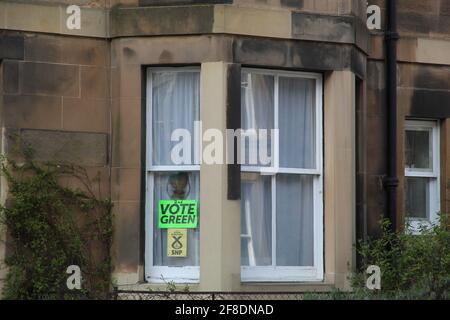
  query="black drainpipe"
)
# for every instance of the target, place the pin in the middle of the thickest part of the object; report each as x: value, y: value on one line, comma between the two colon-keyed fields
x: 391, y: 181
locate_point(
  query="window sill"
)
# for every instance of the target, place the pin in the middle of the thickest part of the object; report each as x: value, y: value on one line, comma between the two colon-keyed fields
x: 281, y: 274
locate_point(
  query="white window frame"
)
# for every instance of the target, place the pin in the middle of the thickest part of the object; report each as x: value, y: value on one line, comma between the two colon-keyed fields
x: 177, y: 274
x: 433, y: 174
x: 282, y: 273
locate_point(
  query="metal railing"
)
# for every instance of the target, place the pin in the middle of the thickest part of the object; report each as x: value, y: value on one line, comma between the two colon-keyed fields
x: 198, y: 296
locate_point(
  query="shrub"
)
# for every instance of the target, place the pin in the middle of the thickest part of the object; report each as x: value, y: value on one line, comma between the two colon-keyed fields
x: 51, y: 227
x: 412, y: 266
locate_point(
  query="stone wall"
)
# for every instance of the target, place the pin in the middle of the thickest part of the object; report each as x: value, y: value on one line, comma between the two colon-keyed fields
x: 423, y: 92
x: 78, y: 95
x: 55, y: 94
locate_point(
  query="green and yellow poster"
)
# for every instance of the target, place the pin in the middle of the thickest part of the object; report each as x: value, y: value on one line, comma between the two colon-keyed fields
x: 177, y: 214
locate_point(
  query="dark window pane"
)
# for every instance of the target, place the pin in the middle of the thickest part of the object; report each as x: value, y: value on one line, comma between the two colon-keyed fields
x: 418, y: 149
x: 417, y: 198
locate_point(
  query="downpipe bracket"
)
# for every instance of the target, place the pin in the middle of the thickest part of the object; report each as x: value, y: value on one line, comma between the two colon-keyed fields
x: 391, y: 182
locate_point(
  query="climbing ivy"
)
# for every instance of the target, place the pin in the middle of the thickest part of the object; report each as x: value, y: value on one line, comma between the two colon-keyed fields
x: 51, y: 226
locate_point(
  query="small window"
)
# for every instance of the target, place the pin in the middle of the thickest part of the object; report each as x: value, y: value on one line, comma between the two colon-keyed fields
x: 281, y: 203
x: 173, y: 102
x: 422, y: 164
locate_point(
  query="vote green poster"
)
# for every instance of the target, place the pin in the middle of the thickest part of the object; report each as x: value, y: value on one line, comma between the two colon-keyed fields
x: 177, y: 214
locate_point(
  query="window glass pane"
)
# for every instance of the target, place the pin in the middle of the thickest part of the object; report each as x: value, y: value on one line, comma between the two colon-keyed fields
x: 417, y: 197
x: 175, y: 105
x: 295, y: 220
x: 175, y: 186
x: 257, y: 102
x: 418, y: 148
x: 256, y: 220
x: 297, y: 123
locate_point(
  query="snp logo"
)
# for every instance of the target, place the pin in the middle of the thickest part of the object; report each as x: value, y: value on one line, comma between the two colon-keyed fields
x: 373, y: 281
x: 74, y: 280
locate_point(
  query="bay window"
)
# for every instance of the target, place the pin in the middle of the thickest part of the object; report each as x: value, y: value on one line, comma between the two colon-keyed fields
x: 422, y: 163
x: 282, y: 199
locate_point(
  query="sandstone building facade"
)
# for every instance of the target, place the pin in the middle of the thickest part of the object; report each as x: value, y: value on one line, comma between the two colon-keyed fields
x: 105, y: 96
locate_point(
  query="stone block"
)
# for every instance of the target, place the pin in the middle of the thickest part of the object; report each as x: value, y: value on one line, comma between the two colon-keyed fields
x: 323, y: 28
x: 43, y: 48
x: 33, y: 17
x: 50, y: 79
x: 84, y: 51
x: 86, y: 149
x: 80, y: 114
x: 252, y: 21
x: 63, y: 49
x: 31, y: 111
x: 162, y: 20
x: 11, y: 47
x: 127, y: 237
x: 126, y: 132
x: 10, y: 77
x: 94, y: 82
x: 126, y: 184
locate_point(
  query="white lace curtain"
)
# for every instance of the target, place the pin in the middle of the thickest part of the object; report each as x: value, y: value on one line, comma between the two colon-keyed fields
x: 175, y: 105
x: 293, y: 193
